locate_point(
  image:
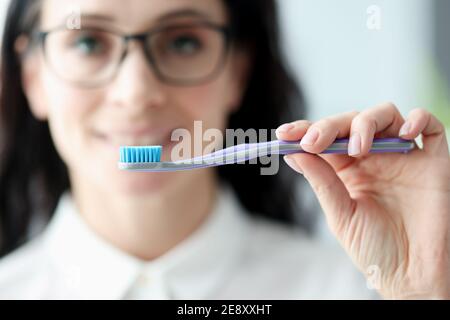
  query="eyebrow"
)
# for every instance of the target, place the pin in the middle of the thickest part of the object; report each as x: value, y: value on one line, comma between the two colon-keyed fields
x: 168, y: 16
x: 110, y: 20
x: 183, y: 13
x: 96, y: 16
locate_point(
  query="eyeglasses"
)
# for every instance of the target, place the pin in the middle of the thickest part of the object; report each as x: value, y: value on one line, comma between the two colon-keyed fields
x: 185, y: 54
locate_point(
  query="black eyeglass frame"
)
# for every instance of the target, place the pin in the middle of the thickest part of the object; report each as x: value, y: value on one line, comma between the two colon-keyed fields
x: 225, y: 31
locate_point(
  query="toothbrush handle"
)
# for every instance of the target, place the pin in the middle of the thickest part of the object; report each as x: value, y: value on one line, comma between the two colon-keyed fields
x: 244, y: 152
x: 340, y: 146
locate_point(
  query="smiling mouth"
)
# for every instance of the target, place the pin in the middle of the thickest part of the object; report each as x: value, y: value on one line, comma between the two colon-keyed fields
x: 140, y: 138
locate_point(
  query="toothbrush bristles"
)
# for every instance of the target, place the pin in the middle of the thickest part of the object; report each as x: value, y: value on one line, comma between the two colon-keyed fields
x: 145, y: 154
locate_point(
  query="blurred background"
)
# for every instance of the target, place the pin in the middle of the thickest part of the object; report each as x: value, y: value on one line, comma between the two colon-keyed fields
x: 353, y: 54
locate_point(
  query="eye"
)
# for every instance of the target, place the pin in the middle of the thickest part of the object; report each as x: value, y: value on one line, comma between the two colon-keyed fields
x: 88, y: 45
x: 185, y: 44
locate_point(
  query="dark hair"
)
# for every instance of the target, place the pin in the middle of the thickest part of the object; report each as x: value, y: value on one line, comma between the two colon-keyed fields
x: 33, y: 177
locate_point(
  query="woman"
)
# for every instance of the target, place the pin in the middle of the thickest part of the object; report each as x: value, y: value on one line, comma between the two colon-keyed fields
x: 132, y: 74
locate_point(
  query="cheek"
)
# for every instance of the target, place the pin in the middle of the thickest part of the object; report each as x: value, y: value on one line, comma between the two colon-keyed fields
x: 69, y: 113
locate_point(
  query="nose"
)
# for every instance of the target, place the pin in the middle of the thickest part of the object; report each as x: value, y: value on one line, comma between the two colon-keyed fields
x: 136, y: 87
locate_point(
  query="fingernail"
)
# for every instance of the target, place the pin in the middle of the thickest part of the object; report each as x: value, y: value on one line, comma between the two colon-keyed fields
x: 354, y: 145
x: 285, y: 127
x: 310, y: 137
x: 405, y: 129
x: 293, y: 164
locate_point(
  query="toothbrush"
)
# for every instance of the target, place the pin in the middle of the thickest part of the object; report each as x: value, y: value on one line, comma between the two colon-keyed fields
x: 148, y: 158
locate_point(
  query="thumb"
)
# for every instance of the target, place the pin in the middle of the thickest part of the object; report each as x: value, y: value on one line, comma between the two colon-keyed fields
x: 331, y: 192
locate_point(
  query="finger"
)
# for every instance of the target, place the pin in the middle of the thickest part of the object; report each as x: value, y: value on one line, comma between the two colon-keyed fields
x: 321, y: 134
x: 381, y: 121
x: 420, y: 121
x: 296, y: 130
x: 331, y: 192
x: 292, y: 131
x: 338, y: 161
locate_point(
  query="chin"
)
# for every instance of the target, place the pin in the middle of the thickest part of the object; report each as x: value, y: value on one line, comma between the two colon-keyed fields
x: 138, y: 183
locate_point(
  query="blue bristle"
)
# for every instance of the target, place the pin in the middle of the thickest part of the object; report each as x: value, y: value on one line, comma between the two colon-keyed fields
x: 140, y: 154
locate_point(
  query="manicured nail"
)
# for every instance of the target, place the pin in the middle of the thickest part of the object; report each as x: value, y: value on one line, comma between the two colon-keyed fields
x: 293, y: 164
x: 310, y: 137
x: 354, y: 145
x: 285, y: 128
x: 405, y: 129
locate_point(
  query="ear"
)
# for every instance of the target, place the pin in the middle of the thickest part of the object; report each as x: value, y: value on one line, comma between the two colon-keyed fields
x: 241, y: 68
x: 30, y: 75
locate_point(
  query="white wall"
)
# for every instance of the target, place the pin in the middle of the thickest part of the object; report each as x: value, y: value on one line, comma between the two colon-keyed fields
x: 3, y: 7
x: 343, y: 65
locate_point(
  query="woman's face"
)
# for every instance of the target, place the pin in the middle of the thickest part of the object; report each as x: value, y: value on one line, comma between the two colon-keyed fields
x: 135, y: 107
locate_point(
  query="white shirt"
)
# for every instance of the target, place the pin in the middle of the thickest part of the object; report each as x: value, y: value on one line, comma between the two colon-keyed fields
x: 232, y: 255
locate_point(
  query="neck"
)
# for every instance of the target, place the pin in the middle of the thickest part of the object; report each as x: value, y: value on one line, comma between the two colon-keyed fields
x: 147, y: 226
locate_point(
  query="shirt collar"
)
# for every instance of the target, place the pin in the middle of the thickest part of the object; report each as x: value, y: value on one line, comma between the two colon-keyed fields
x: 94, y: 269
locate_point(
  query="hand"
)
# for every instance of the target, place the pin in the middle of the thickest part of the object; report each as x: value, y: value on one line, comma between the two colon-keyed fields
x: 387, y: 210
